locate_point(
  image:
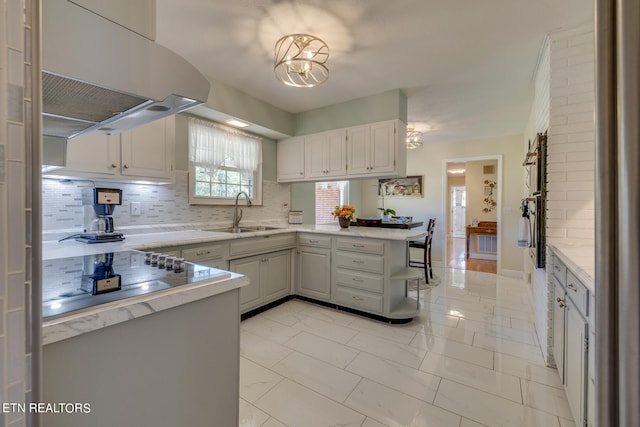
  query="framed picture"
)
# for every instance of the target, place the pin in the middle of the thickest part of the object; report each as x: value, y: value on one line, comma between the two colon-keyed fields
x: 410, y: 186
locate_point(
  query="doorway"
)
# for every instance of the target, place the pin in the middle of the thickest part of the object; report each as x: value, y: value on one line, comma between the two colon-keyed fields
x: 458, y: 210
x: 465, y: 181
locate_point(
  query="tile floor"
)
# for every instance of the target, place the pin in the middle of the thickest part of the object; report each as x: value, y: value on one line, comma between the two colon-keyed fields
x: 470, y: 359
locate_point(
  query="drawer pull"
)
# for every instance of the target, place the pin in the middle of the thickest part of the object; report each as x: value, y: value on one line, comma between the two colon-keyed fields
x: 572, y: 287
x: 561, y: 302
x: 355, y: 279
x: 203, y: 253
x: 313, y: 241
x: 358, y: 298
x: 358, y: 245
x: 358, y: 261
x: 556, y: 268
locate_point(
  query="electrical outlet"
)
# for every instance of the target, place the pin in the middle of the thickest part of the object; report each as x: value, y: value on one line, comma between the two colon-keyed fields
x: 135, y: 209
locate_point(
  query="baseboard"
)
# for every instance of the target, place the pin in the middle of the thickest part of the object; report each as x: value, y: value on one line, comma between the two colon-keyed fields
x: 490, y: 257
x: 512, y: 273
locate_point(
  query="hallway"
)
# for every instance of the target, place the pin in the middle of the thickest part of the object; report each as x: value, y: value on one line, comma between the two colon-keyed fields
x: 456, y: 258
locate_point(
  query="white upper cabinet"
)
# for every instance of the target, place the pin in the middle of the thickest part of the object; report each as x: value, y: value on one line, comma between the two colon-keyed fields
x: 291, y: 159
x: 148, y: 150
x: 143, y: 153
x: 372, y: 150
x: 326, y: 154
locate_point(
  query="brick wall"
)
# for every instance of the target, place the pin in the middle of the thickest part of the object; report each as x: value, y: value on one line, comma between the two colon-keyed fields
x: 16, y: 140
x: 327, y: 198
x: 571, y: 167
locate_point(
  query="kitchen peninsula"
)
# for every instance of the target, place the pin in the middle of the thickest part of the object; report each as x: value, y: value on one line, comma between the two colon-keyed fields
x: 91, y: 355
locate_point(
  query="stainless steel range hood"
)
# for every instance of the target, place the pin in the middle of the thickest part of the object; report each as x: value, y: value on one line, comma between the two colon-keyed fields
x: 100, y: 76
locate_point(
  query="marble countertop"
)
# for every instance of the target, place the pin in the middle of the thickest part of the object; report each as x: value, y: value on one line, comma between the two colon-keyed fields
x: 87, y: 320
x: 147, y: 241
x: 580, y: 259
x: 83, y: 321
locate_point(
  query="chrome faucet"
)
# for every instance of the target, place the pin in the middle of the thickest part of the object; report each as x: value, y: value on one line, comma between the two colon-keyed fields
x: 236, y: 217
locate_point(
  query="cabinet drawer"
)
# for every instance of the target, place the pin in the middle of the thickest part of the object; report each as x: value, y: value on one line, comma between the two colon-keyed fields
x: 359, y: 300
x: 259, y: 245
x: 578, y: 294
x: 203, y: 252
x: 355, y: 279
x: 361, y: 245
x: 360, y: 262
x: 314, y: 240
x: 560, y: 271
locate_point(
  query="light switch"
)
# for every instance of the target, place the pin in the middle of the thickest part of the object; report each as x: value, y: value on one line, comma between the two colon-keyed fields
x: 135, y: 208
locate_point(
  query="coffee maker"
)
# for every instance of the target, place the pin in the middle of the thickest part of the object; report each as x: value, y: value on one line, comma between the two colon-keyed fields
x: 98, y: 205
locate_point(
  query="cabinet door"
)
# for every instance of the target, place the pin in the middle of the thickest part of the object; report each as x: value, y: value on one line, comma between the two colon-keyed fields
x: 575, y: 367
x: 358, y: 161
x: 314, y: 151
x: 335, y: 153
x: 250, y: 295
x: 382, y: 147
x: 276, y: 275
x: 314, y: 273
x: 291, y: 159
x: 94, y: 154
x: 558, y: 328
x: 148, y: 150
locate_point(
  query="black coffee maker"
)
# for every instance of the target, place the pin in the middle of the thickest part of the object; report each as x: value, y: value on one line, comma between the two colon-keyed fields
x: 98, y: 205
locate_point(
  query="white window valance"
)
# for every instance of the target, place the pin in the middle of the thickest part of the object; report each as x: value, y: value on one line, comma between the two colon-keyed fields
x: 212, y: 145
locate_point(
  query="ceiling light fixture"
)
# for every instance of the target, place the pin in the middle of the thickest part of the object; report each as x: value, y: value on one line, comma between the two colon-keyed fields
x: 414, y: 139
x: 300, y: 59
x: 237, y: 123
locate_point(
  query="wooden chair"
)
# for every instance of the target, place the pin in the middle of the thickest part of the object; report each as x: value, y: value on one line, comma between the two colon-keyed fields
x: 425, y: 245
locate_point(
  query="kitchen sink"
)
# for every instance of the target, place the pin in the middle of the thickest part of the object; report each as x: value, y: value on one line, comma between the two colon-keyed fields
x: 244, y: 229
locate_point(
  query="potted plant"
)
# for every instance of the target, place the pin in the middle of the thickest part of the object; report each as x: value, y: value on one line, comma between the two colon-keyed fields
x: 386, y: 213
x: 345, y: 214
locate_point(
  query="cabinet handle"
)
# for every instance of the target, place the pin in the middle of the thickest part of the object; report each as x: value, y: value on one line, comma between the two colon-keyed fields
x: 358, y: 245
x: 203, y: 253
x: 126, y: 166
x: 313, y: 241
x: 358, y: 298
x: 556, y: 268
x: 301, y: 173
x: 358, y: 261
x: 355, y: 279
x: 572, y: 287
x: 113, y: 166
x: 561, y: 302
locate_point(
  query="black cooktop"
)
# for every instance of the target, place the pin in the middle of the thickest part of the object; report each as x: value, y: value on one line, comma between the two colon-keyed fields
x: 80, y: 282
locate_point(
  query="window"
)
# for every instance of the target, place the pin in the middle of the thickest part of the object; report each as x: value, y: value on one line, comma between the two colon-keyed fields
x: 222, y: 163
x: 328, y: 196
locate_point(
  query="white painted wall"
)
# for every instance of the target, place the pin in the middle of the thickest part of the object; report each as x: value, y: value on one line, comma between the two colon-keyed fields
x: 428, y: 162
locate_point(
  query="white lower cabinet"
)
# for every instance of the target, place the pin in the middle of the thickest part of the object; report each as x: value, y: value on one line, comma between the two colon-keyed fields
x: 572, y: 323
x: 314, y: 273
x: 269, y: 275
x: 209, y: 255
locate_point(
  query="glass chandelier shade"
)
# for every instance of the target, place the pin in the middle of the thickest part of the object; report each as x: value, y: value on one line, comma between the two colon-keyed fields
x: 414, y: 139
x: 300, y: 59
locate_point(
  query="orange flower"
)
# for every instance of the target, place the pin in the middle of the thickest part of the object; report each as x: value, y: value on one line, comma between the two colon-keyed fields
x: 344, y: 211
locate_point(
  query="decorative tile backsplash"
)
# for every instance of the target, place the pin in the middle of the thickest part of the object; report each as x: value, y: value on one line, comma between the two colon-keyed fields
x: 166, y: 205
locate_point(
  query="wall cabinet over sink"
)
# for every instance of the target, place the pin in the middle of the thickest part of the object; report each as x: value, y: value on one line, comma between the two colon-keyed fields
x: 143, y: 153
x: 371, y: 150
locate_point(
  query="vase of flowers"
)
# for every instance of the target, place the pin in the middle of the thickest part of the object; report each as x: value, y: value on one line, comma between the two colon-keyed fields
x: 345, y: 214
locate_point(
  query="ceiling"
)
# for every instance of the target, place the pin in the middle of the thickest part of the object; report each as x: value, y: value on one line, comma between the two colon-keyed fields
x: 466, y: 66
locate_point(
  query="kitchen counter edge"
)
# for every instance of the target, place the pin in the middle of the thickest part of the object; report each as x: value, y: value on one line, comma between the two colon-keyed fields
x: 80, y: 322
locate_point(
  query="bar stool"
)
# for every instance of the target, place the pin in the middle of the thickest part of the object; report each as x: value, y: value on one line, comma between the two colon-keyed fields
x: 425, y: 245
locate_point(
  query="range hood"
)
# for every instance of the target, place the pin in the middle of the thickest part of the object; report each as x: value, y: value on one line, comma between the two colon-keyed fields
x: 101, y: 77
